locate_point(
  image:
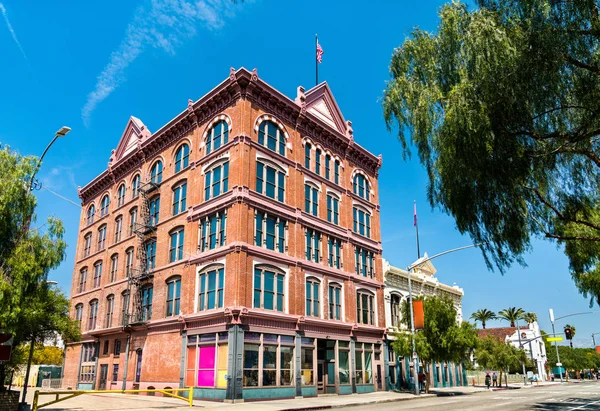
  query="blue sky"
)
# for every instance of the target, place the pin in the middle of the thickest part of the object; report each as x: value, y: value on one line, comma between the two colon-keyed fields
x: 91, y: 66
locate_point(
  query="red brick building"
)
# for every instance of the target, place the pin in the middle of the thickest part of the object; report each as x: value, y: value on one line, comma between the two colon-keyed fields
x: 236, y: 250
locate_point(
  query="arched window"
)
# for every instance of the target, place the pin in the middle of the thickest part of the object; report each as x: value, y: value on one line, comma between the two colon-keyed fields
x: 154, y: 210
x: 307, y: 148
x: 104, y: 205
x: 125, y: 307
x: 135, y: 186
x: 327, y: 166
x: 110, y: 309
x: 333, y: 208
x: 211, y: 282
x: 365, y: 262
x: 269, y: 231
x: 311, y: 198
x: 93, y: 314
x: 173, y: 295
x: 271, y: 136
x: 97, y: 274
x: 176, y: 248
x: 79, y: 314
x: 121, y: 195
x: 87, y: 245
x: 90, y: 214
x: 269, y: 288
x: 360, y: 186
x: 336, y: 166
x: 216, y: 180
x: 217, y: 136
x: 156, y: 172
x: 335, y: 301
x: 114, y: 266
x: 270, y: 180
x: 361, y: 221
x: 146, y: 313
x: 150, y: 246
x: 318, y: 153
x: 365, y: 307
x: 133, y: 215
x: 182, y: 157
x: 334, y: 252
x: 102, y: 237
x: 313, y: 300
x: 118, y: 228
x: 82, y: 279
x: 212, y: 231
x: 129, y: 260
x: 179, y: 197
x: 395, y: 309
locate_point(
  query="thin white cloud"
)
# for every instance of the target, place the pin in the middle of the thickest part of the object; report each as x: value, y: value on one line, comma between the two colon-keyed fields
x: 160, y: 24
x: 12, y: 31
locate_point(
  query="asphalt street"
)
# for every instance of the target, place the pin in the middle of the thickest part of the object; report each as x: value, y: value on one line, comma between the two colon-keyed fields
x: 567, y: 397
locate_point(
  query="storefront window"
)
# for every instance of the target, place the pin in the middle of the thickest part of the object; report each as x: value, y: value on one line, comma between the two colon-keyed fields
x: 359, y: 364
x: 269, y: 365
x: 286, y: 355
x: 368, y: 367
x: 306, y: 360
x: 344, y: 369
x: 251, y: 365
x: 206, y: 361
x: 268, y: 360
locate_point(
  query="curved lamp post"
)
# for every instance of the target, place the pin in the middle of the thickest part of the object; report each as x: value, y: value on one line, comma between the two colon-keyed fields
x: 33, y: 183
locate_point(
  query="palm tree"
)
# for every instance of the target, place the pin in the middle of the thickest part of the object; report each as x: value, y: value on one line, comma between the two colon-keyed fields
x: 483, y: 315
x: 530, y: 317
x: 512, y: 314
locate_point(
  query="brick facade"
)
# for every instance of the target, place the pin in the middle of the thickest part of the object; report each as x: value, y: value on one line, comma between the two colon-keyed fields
x: 164, y: 344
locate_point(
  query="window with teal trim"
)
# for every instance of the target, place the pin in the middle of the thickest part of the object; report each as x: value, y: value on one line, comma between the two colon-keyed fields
x: 212, y: 231
x: 156, y: 172
x: 179, y: 198
x: 176, y: 248
x: 307, y: 148
x: 334, y: 246
x: 104, y: 205
x: 151, y: 254
x: 313, y: 241
x: 269, y: 288
x: 365, y: 262
x: 327, y: 166
x: 217, y: 136
x: 361, y: 222
x: 335, y: 301
x: 121, y: 195
x: 271, y: 136
x: 90, y: 214
x: 216, y: 181
x: 211, y: 284
x: 146, y: 312
x: 337, y: 172
x: 318, y: 153
x: 270, y: 181
x: 333, y: 209
x: 311, y: 199
x: 153, y: 211
x: 269, y: 231
x: 365, y: 307
x: 173, y: 295
x: 360, y: 186
x: 182, y: 158
x: 135, y: 186
x: 313, y: 304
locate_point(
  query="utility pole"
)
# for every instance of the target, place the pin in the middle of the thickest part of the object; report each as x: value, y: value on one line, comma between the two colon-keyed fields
x: 551, y: 311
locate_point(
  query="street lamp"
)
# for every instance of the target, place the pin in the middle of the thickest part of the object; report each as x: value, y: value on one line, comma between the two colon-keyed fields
x: 35, y: 185
x: 412, y: 316
x: 594, y: 339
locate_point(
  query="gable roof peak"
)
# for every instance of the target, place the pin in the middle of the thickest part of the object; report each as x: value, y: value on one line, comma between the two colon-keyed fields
x: 134, y: 134
x: 319, y: 101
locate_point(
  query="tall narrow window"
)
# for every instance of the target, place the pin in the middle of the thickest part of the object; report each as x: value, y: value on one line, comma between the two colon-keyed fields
x: 395, y: 309
x: 312, y: 297
x: 307, y: 148
x: 87, y: 245
x: 334, y: 248
x: 114, y: 266
x: 327, y: 166
x: 78, y: 314
x: 271, y: 136
x: 121, y: 195
x: 365, y: 309
x: 97, y: 274
x: 151, y: 254
x: 154, y: 211
x: 102, y: 237
x: 365, y: 262
x: 125, y: 307
x: 135, y: 186
x: 146, y: 313
x: 217, y: 136
x: 179, y: 198
x: 129, y: 259
x: 361, y: 222
x: 269, y: 231
x: 337, y: 171
x: 335, y: 301
x: 133, y: 214
x: 90, y: 214
x: 156, y: 172
x: 270, y: 181
x: 268, y: 288
x: 118, y: 228
x: 313, y: 241
x: 210, y: 285
x: 333, y: 209
x: 311, y: 199
x: 173, y: 295
x: 176, y: 248
x: 182, y: 158
x: 82, y: 279
x: 216, y: 181
x: 93, y: 315
x: 212, y: 231
x: 110, y: 308
x: 360, y: 186
x: 318, y: 153
x: 104, y: 205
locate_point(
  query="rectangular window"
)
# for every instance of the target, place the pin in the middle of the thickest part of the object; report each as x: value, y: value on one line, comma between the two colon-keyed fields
x: 93, y: 315
x: 173, y: 296
x: 270, y: 181
x: 337, y: 171
x: 313, y: 241
x: 268, y: 360
x: 88, y: 245
x: 132, y: 221
x: 210, y: 287
x: 176, y: 249
x: 344, y: 368
x: 318, y: 161
x: 311, y: 199
x: 125, y: 308
x: 151, y: 254
x: 334, y: 246
x: 335, y: 302
x: 118, y: 228
x: 82, y: 280
x: 97, y: 274
x: 114, y: 265
x: 269, y: 232
x: 212, y: 231
x: 312, y: 297
x: 110, y: 308
x: 216, y: 181
x: 129, y: 254
x: 307, y: 364
x: 365, y: 310
x: 361, y: 222
x: 251, y: 365
x: 117, y: 351
x: 364, y: 262
x: 268, y: 289
x: 327, y: 166
x: 179, y: 198
x: 307, y: 148
x: 154, y: 207
x: 115, y: 373
x: 101, y: 238
x: 333, y: 209
x: 146, y: 313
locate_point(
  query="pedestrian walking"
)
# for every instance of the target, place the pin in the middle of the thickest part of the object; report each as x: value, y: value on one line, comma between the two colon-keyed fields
x: 495, y: 379
x: 488, y: 380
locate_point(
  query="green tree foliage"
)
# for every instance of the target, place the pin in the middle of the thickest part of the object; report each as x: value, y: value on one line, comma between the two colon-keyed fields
x: 42, y: 355
x: 572, y: 328
x: 512, y: 315
x: 442, y: 338
x: 483, y: 315
x: 502, y: 104
x: 530, y: 317
x: 493, y: 354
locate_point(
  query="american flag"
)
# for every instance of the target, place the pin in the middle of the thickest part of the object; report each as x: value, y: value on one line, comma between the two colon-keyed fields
x: 319, y: 53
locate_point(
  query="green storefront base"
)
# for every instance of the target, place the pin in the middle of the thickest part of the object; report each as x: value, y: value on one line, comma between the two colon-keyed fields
x: 209, y: 394
x: 345, y: 389
x: 362, y: 389
x: 82, y: 386
x: 268, y: 393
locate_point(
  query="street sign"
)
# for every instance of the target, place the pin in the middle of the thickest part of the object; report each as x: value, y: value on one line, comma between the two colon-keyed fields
x: 551, y: 339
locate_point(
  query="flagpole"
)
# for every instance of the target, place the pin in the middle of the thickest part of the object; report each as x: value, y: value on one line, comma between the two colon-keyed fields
x: 417, y: 231
x: 316, y: 61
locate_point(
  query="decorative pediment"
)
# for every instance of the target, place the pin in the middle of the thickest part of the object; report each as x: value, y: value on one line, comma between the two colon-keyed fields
x: 320, y: 103
x: 426, y: 268
x: 135, y: 133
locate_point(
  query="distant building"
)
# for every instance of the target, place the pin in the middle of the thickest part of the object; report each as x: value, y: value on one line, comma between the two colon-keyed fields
x: 531, y: 341
x: 424, y: 283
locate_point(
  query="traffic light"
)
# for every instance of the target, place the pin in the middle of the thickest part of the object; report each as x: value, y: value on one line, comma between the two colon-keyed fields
x: 568, y: 335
